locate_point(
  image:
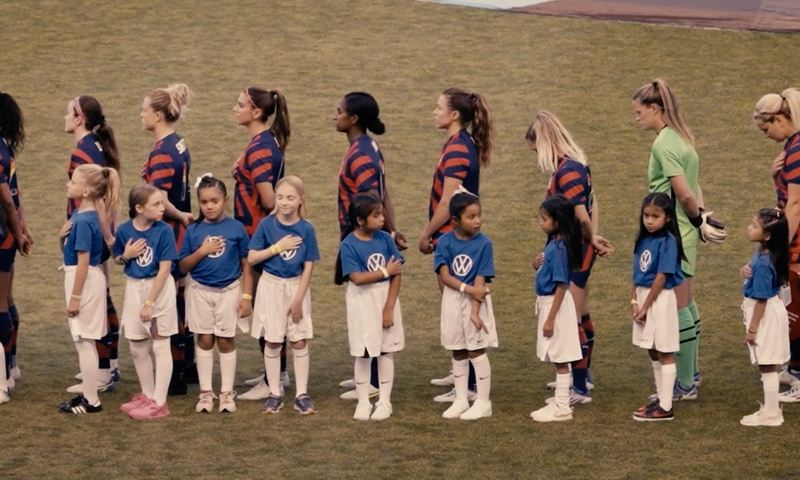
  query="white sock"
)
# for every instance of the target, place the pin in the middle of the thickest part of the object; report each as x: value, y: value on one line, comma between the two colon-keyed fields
x: 272, y: 362
x: 103, y: 375
x: 668, y: 373
x: 771, y: 387
x: 483, y: 376
x: 361, y: 373
x: 302, y: 361
x: 205, y: 368
x: 657, y: 376
x: 227, y: 370
x: 386, y: 377
x: 143, y: 363
x: 87, y: 359
x: 563, y: 381
x: 460, y: 379
x: 163, y: 356
x: 3, y: 379
x: 114, y: 363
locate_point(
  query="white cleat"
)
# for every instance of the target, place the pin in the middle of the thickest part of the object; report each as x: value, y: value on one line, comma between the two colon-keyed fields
x: 260, y: 391
x: 252, y: 382
x: 762, y: 419
x: 353, y: 394
x: 363, y: 412
x: 552, y: 413
x: 382, y: 411
x: 789, y: 396
x: 456, y: 409
x: 348, y: 384
x: 450, y: 396
x: 479, y: 409
x: 443, y: 382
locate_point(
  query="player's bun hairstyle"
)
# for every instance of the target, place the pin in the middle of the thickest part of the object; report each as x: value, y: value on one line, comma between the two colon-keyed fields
x: 299, y: 187
x: 785, y: 104
x: 366, y: 108
x: 208, y: 180
x: 12, y: 123
x: 775, y: 224
x: 665, y: 203
x: 170, y: 101
x: 362, y: 206
x: 658, y: 93
x: 475, y: 113
x: 103, y: 184
x: 562, y: 212
x: 272, y: 102
x: 140, y: 195
x: 552, y: 141
x: 89, y: 108
x: 460, y: 201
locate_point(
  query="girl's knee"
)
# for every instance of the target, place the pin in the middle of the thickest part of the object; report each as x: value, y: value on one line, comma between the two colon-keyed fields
x: 226, y: 345
x: 299, y: 345
x: 476, y: 353
x: 460, y: 354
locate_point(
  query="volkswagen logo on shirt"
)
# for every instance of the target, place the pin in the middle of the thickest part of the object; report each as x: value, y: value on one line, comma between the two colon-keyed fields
x: 376, y: 261
x: 461, y: 265
x: 146, y: 258
x: 218, y: 254
x: 288, y: 254
x: 644, y: 260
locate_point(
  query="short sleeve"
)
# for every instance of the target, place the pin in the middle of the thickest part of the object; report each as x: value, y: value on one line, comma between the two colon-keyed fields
x: 455, y: 165
x: 310, y: 239
x: 763, y: 280
x: 259, y: 240
x: 391, y: 247
x: 364, y: 173
x: 261, y: 164
x: 560, y: 264
x: 791, y: 165
x: 243, y: 241
x: 119, y: 243
x: 166, y: 246
x: 160, y: 171
x: 186, y: 246
x: 572, y: 184
x: 668, y: 256
x: 349, y: 259
x: 440, y: 255
x: 669, y: 155
x: 83, y: 236
x: 486, y: 266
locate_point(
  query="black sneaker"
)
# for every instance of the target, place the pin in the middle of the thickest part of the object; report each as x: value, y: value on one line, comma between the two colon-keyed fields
x: 273, y: 404
x: 304, y: 405
x: 653, y: 413
x: 79, y: 406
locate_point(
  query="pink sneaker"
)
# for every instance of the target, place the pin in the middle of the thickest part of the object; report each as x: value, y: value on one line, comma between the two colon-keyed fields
x: 137, y: 401
x: 149, y: 411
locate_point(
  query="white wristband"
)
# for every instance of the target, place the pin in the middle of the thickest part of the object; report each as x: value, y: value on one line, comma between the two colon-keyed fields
x: 384, y: 272
x: 462, y: 287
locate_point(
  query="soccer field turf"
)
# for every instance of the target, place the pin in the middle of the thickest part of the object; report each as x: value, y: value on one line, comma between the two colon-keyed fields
x: 405, y: 53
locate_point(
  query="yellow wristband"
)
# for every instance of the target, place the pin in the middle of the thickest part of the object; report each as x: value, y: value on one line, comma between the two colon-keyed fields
x: 384, y: 272
x: 247, y: 296
x: 149, y: 303
x: 634, y: 302
x: 76, y: 297
x: 462, y: 287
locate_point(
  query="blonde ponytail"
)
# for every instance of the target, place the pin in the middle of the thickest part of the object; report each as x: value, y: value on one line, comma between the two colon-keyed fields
x: 658, y: 93
x: 786, y: 104
x: 552, y: 141
x: 170, y: 101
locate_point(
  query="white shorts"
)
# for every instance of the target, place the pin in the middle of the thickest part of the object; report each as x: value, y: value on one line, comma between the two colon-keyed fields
x: 457, y: 330
x: 661, y: 331
x: 772, y: 339
x: 565, y: 345
x: 271, y: 319
x: 365, y: 320
x: 90, y: 323
x: 213, y: 311
x: 165, y: 313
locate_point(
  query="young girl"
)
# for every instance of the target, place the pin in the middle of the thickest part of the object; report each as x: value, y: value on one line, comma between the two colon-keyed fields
x: 214, y: 252
x: 85, y: 282
x: 557, y: 339
x: 765, y: 317
x: 372, y: 265
x: 146, y: 246
x: 464, y: 263
x: 167, y: 168
x: 285, y: 245
x: 95, y: 144
x: 16, y: 237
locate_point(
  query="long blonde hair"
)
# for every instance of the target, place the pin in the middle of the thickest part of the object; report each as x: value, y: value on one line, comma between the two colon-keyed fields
x: 294, y: 182
x: 103, y: 184
x: 786, y: 104
x: 552, y: 141
x: 658, y: 93
x: 170, y: 101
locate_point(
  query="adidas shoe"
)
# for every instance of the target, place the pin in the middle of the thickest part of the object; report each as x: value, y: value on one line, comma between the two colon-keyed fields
x: 251, y: 382
x: 382, y: 411
x: 363, y: 411
x: 137, y: 401
x: 450, y: 396
x: 552, y: 413
x: 789, y: 377
x: 101, y: 387
x: 304, y: 405
x: 790, y: 396
x: 205, y: 402
x: 575, y: 398
x: 286, y: 380
x: 443, y: 382
x: 79, y: 406
x: 273, y: 404
x: 348, y: 384
x: 654, y: 413
x: 479, y: 409
x: 353, y: 395
x: 762, y: 419
x: 5, y: 397
x: 259, y: 391
x: 227, y: 402
x: 149, y: 411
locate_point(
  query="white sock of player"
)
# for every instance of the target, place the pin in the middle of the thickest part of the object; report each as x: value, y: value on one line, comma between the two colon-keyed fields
x: 114, y: 363
x: 563, y: 381
x: 361, y: 372
x: 143, y: 363
x: 227, y: 370
x: 272, y: 363
x: 3, y: 379
x: 771, y: 387
x: 103, y: 375
x: 205, y: 368
x: 163, y: 355
x: 657, y: 376
x: 460, y: 379
x: 386, y: 377
x: 302, y: 362
x: 483, y: 376
x: 87, y: 359
x: 668, y: 373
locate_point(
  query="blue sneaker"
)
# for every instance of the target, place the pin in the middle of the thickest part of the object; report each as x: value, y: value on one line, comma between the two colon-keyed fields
x: 679, y: 393
x: 115, y: 376
x: 789, y: 377
x: 698, y: 379
x: 273, y: 404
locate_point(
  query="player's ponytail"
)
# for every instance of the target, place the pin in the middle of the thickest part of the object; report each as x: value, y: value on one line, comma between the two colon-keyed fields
x: 92, y: 112
x: 171, y: 101
x: 272, y: 102
x: 365, y: 106
x: 786, y: 104
x: 12, y: 123
x: 552, y: 141
x: 474, y: 112
x: 658, y: 93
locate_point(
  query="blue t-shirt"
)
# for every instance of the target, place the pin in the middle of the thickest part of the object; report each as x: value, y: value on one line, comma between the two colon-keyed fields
x: 289, y: 263
x: 359, y: 255
x: 160, y: 247
x: 220, y: 269
x: 555, y: 268
x: 763, y: 283
x: 465, y: 259
x: 86, y: 236
x: 657, y: 254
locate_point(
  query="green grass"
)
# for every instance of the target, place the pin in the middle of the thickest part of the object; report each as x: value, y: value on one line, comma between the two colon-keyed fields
x: 405, y: 53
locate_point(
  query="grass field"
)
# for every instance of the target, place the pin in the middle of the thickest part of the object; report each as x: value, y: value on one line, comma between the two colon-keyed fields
x: 405, y: 53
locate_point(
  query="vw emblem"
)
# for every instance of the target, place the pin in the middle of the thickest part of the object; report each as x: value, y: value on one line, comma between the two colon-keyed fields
x: 375, y: 262
x: 218, y: 254
x: 146, y: 258
x: 288, y: 254
x: 644, y: 260
x: 462, y: 264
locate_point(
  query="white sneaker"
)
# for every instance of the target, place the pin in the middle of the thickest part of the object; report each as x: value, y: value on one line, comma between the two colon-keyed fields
x: 353, y: 395
x: 101, y: 387
x: 761, y: 419
x: 382, y: 411
x: 78, y: 376
x: 552, y: 386
x: 479, y: 409
x: 552, y: 413
x: 5, y: 397
x: 205, y: 402
x: 252, y: 382
x: 785, y: 377
x: 450, y: 396
x: 286, y: 380
x: 363, y: 412
x: 443, y: 382
x: 16, y: 373
x: 227, y: 402
x: 456, y: 409
x: 260, y: 391
x: 348, y: 384
x: 575, y: 398
x: 789, y: 396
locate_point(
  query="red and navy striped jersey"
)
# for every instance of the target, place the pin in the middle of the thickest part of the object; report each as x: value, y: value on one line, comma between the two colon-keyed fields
x: 167, y: 169
x: 789, y: 174
x: 573, y: 180
x: 459, y: 160
x: 262, y: 161
x: 362, y: 170
x: 87, y: 151
x: 8, y: 175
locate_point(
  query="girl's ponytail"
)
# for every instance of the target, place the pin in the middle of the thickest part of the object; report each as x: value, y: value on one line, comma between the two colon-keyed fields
x: 89, y: 108
x: 483, y: 129
x: 658, y: 93
x: 280, y: 126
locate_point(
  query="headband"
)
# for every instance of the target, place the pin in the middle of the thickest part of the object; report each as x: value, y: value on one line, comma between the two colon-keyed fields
x: 76, y: 104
